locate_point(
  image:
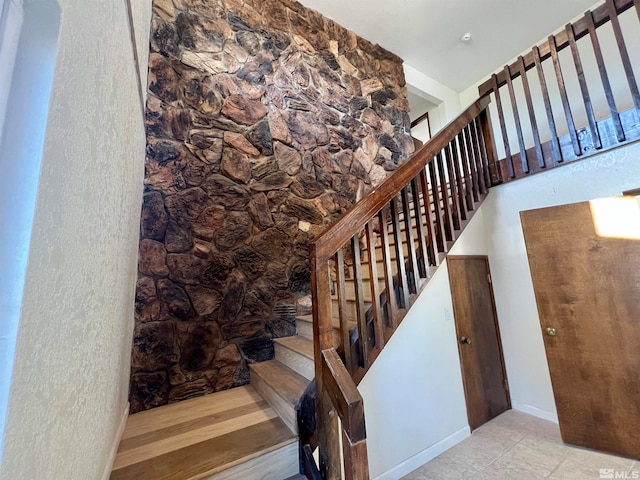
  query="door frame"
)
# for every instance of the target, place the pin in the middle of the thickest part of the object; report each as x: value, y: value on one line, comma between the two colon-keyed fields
x: 495, y: 322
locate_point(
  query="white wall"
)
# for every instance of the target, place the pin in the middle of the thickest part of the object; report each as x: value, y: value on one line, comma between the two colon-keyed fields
x: 603, y: 175
x: 71, y: 374
x: 413, y: 395
x: 446, y: 99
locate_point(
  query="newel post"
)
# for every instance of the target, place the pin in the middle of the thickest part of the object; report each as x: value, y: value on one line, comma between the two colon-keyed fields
x: 489, y: 140
x: 327, y: 419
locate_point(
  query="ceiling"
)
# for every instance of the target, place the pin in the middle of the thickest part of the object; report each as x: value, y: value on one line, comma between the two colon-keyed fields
x: 426, y: 33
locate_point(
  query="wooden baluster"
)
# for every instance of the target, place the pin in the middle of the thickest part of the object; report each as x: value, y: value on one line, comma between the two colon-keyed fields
x: 503, y: 126
x: 429, y: 225
x: 465, y: 171
x: 444, y: 195
x: 532, y: 113
x: 483, y: 154
x: 593, y: 125
x: 378, y: 320
x: 433, y: 179
x: 345, y: 338
x: 486, y: 131
x: 414, y: 273
x: 478, y: 160
x: 453, y: 185
x: 624, y: 53
x: 516, y: 118
x: 606, y: 84
x: 553, y: 48
x: 361, y: 312
x: 403, y: 286
x: 423, y: 265
x: 471, y: 160
x: 459, y: 184
x: 555, y: 142
x: 327, y: 421
x: 392, y: 302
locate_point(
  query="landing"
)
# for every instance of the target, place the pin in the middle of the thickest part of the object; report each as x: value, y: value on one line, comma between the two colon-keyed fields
x: 201, y: 437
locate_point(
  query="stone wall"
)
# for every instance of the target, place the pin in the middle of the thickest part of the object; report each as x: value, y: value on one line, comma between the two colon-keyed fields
x: 265, y: 121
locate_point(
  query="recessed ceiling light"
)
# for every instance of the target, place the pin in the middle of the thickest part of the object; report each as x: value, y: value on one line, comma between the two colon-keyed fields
x: 466, y: 37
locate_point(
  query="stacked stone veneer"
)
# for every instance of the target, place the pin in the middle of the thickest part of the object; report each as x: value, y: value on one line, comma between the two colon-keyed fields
x: 265, y: 121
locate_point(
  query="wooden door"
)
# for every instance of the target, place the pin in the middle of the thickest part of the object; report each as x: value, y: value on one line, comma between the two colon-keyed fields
x: 587, y: 287
x: 483, y: 373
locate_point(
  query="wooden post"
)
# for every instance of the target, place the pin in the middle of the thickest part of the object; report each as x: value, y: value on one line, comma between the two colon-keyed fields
x: 327, y: 421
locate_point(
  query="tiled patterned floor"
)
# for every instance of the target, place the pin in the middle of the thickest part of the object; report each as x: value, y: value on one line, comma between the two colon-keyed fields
x: 517, y: 446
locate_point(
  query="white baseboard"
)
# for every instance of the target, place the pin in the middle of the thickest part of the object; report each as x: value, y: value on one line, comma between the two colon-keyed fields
x: 115, y: 442
x: 424, y: 456
x: 535, y: 411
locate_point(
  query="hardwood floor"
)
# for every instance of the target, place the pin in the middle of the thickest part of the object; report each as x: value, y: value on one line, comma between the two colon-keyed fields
x: 211, y: 437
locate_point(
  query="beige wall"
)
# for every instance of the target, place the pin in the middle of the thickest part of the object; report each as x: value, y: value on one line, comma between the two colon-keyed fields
x: 70, y: 382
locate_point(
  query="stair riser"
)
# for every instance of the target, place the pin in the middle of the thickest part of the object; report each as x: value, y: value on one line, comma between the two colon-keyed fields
x: 305, y: 329
x: 350, y: 312
x: 295, y: 361
x: 276, y: 465
x: 284, y: 409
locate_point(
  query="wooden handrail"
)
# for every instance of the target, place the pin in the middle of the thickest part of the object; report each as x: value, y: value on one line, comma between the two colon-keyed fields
x: 580, y: 29
x: 345, y: 395
x: 341, y: 231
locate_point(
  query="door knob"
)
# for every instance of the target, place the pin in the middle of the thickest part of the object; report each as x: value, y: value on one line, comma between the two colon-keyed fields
x: 465, y: 340
x: 551, y: 331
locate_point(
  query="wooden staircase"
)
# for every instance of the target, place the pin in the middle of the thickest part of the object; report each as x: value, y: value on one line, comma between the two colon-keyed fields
x: 252, y: 432
x: 247, y: 433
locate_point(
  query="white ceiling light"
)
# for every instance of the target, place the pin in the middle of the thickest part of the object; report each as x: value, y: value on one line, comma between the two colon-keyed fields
x: 466, y: 37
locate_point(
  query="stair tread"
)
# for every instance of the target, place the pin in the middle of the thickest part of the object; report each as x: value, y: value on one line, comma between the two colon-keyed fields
x: 336, y: 324
x: 305, y: 318
x: 298, y: 344
x: 199, y: 437
x: 289, y: 384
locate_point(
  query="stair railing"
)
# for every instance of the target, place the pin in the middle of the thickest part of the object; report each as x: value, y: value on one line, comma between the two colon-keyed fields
x: 580, y: 93
x: 412, y: 218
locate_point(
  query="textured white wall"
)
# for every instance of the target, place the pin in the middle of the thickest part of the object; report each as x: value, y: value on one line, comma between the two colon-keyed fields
x: 603, y: 175
x: 413, y: 394
x: 71, y: 372
x: 141, y: 12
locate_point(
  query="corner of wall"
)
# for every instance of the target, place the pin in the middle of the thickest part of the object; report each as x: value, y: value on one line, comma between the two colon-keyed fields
x: 115, y: 442
x: 435, y: 92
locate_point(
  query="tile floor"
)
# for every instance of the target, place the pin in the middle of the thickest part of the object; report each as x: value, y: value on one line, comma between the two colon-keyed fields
x: 517, y: 446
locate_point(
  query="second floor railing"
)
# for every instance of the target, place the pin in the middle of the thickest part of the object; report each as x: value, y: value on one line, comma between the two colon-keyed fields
x: 570, y: 97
